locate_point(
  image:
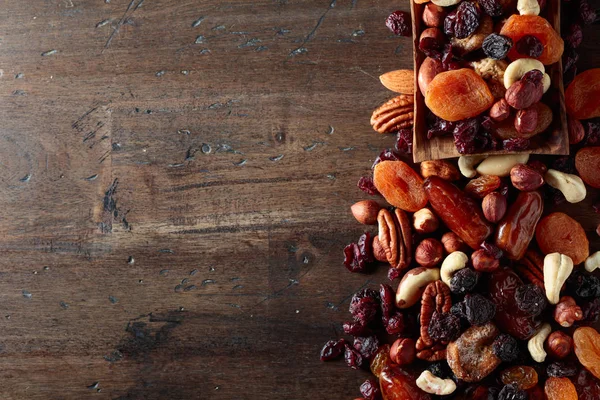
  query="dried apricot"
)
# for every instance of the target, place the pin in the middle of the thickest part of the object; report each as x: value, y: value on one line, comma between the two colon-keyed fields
x: 401, y: 186
x: 587, y: 162
x: 587, y: 349
x: 582, y: 96
x: 458, y: 94
x: 522, y: 376
x: 560, y: 389
x: 559, y: 233
x: 518, y: 26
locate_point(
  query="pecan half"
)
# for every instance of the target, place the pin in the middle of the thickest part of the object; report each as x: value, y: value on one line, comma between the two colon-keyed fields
x: 531, y: 268
x: 394, y: 115
x: 395, y: 237
x: 436, y: 298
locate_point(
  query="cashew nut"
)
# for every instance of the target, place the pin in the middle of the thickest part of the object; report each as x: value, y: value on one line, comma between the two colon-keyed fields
x: 528, y: 7
x: 445, y: 3
x: 466, y: 165
x: 535, y: 345
x: 546, y: 81
x: 557, y: 268
x: 502, y: 164
x: 592, y: 262
x: 430, y: 383
x: 520, y: 67
x: 570, y: 185
x: 453, y: 262
x: 413, y: 284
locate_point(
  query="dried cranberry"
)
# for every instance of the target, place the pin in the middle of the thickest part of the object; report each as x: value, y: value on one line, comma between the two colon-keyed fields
x: 586, y: 13
x: 355, y: 328
x: 394, y: 273
x: 465, y: 135
x: 396, y: 324
x: 444, y: 327
x: 366, y: 346
x: 570, y: 58
x: 366, y: 185
x: 468, y: 15
x: 530, y: 299
x: 592, y: 133
x: 357, y: 256
x: 561, y: 370
x: 399, y: 22
x: 364, y: 305
x: 386, y: 155
x: 388, y: 297
x: 530, y: 46
x: 497, y: 46
x: 574, y: 35
x: 565, y: 164
x: 492, y: 249
x: 370, y: 389
x: 431, y: 47
x: 450, y: 23
x: 440, y: 369
x: 583, y: 284
x: 438, y: 126
x: 404, y: 141
x: 352, y: 357
x: 516, y: 144
x: 587, y: 386
x: 493, y: 8
x: 479, y: 310
x: 554, y: 195
x: 512, y: 392
x: 450, y: 60
x: 332, y: 349
x: 506, y: 348
x: 596, y: 207
x: 464, y: 281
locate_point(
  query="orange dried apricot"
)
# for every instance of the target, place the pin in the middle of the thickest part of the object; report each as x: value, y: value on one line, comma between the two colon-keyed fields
x: 518, y: 26
x: 458, y: 94
x: 522, y: 376
x: 587, y: 349
x: 560, y: 389
x: 582, y: 96
x: 587, y: 162
x: 559, y: 233
x: 400, y: 185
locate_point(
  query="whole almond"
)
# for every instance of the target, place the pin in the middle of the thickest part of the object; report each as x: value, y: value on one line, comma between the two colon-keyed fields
x: 400, y: 81
x: 494, y: 207
x: 366, y: 211
x: 525, y: 178
x: 441, y: 168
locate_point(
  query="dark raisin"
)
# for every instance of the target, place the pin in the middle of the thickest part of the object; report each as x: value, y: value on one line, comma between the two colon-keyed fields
x: 364, y: 305
x: 366, y: 185
x: 497, y: 46
x: 586, y: 13
x: 444, y: 327
x: 404, y: 141
x: 565, y: 164
x: 493, y: 8
x: 592, y: 133
x: 583, y: 284
x: 465, y: 135
x: 534, y: 76
x: 459, y: 310
x: 450, y: 23
x: 386, y: 155
x: 561, y: 370
x: 431, y: 47
x: 355, y: 328
x: 573, y: 36
x: 530, y: 299
x: 332, y: 349
x: 366, y: 346
x: 516, y: 144
x: 530, y: 46
x: 468, y: 15
x: 492, y: 249
x: 387, y: 297
x: 396, y: 324
x: 479, y: 309
x: 370, y: 389
x: 441, y: 369
x: 596, y: 207
x: 399, y: 22
x: 587, y: 386
x: 554, y: 195
x: 357, y: 256
x: 512, y: 392
x: 352, y: 357
x: 506, y: 348
x: 394, y: 273
x: 464, y: 281
x: 591, y: 311
x: 450, y: 60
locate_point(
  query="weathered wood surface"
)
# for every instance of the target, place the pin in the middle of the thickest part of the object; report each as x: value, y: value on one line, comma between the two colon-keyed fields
x: 222, y: 158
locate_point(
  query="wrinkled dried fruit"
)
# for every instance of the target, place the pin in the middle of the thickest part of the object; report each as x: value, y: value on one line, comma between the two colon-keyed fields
x: 465, y: 20
x: 574, y: 35
x: 355, y: 328
x: 366, y: 346
x: 586, y: 12
x: 381, y: 359
x: 506, y: 348
x: 444, y: 327
x: 523, y: 377
x: 516, y: 144
x: 482, y: 186
x: 400, y: 185
x: 582, y: 96
x: 531, y: 299
x: 399, y: 22
x: 529, y: 46
x: 559, y: 233
x: 588, y: 387
x: 397, y: 384
x: 364, y: 305
x: 560, y: 389
x: 471, y: 357
x: 366, y: 185
x: 511, y: 392
x: 493, y: 8
x: 357, y: 256
x: 468, y: 136
x: 583, y: 284
x: 587, y: 349
x: 464, y: 281
x: 370, y: 389
x: 587, y: 162
x: 478, y: 309
x: 396, y: 324
x: 518, y: 26
x: 457, y: 95
x: 352, y: 357
x: 333, y: 349
x: 517, y: 228
x: 560, y: 370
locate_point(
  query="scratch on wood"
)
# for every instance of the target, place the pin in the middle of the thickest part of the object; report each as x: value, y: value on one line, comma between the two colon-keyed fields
x: 240, y: 163
x: 276, y: 158
x: 312, y: 33
x: 197, y: 22
x: 250, y: 43
x: 103, y: 23
x: 49, y: 53
x: 26, y: 178
x: 199, y: 39
x: 122, y: 22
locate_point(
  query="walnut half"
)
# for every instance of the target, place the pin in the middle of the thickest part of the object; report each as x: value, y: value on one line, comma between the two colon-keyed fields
x: 492, y: 71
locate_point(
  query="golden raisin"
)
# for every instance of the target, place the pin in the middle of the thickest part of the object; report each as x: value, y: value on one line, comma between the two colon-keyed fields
x: 381, y: 359
x: 560, y: 389
x: 587, y: 349
x: 524, y: 377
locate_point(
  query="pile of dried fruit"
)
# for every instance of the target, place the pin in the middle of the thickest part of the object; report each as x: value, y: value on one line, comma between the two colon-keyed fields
x: 497, y: 295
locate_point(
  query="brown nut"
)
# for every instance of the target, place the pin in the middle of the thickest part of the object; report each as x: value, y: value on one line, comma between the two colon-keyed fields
x: 425, y: 221
x: 526, y: 120
x: 366, y: 211
x: 441, y: 168
x: 494, y: 206
x: 433, y: 15
x: 428, y: 70
x: 378, y: 251
x: 452, y: 242
x: 559, y: 345
x: 500, y: 110
x: 525, y: 92
x: 435, y: 33
x: 429, y: 253
x: 567, y: 312
x: 525, y: 178
x: 484, y: 261
x: 576, y: 131
x: 598, y: 230
x: 403, y: 351
x: 538, y: 166
x: 394, y: 114
x: 530, y: 268
x: 471, y: 357
x: 436, y: 299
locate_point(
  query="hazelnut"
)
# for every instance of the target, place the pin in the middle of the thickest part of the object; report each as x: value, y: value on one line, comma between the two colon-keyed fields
x: 425, y: 221
x: 494, y: 207
x: 433, y: 15
x: 378, y: 251
x: 559, y: 345
x: 452, y: 242
x: 538, y: 166
x: 500, y: 111
x: 576, y: 131
x: 428, y: 70
x: 567, y: 312
x: 484, y: 261
x: 525, y: 178
x: 429, y: 253
x: 366, y: 211
x: 435, y: 33
x: 526, y: 120
x: 403, y: 351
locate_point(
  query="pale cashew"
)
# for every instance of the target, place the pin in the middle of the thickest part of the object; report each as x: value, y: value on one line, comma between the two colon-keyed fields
x: 453, y: 262
x: 520, y: 67
x: 557, y: 268
x: 413, y: 284
x: 546, y: 81
x: 528, y: 7
x: 502, y: 164
x: 430, y: 383
x: 445, y: 3
x: 570, y: 185
x: 466, y: 165
x: 592, y: 262
x: 535, y: 345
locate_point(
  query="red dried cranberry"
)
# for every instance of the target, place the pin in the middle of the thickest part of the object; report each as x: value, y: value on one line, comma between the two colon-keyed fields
x: 355, y: 328
x: 399, y: 22
x: 592, y: 133
x: 370, y: 389
x: 357, y: 256
x: 438, y: 126
x: 404, y: 141
x: 450, y: 23
x: 565, y: 164
x: 396, y: 324
x: 586, y: 13
x: 431, y: 47
x: 367, y: 185
x: 444, y: 327
x: 512, y: 392
x: 479, y: 310
x: 516, y: 144
x: 332, y: 349
x: 464, y: 281
x: 467, y: 19
x: 364, y: 305
x: 587, y: 386
x: 388, y: 297
x: 352, y: 357
x: 450, y: 59
x: 570, y: 58
x: 386, y: 155
x: 530, y: 46
x: 506, y: 348
x: 366, y: 346
x: 493, y: 8
x: 573, y: 36
x: 393, y: 273
x: 561, y: 370
x: 497, y: 46
x: 492, y: 249
x: 465, y: 135
x: 530, y: 299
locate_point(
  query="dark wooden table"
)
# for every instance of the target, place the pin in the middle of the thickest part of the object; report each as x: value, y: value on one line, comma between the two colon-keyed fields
x: 176, y: 179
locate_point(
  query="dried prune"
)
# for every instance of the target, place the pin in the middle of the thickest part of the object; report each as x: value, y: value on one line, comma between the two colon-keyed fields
x: 357, y: 256
x: 332, y: 349
x: 399, y: 22
x: 479, y: 310
x: 497, y: 46
x: 464, y: 281
x: 444, y: 327
x: 352, y: 357
x: 583, y: 284
x: 573, y: 36
x: 370, y: 389
x: 366, y: 185
x: 530, y: 46
x: 506, y: 348
x: 465, y: 135
x: 561, y: 370
x: 530, y: 299
x: 516, y: 144
x: 586, y: 13
x: 468, y: 15
x: 385, y: 155
x: 364, y: 305
x: 512, y: 392
x: 493, y: 8
x: 404, y: 141
x: 366, y: 346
